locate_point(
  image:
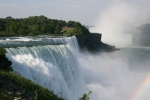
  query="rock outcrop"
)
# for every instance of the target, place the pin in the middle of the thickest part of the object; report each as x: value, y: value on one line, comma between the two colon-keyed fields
x: 4, y: 63
x: 92, y: 42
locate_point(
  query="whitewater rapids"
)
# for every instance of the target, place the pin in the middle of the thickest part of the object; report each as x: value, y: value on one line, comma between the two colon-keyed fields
x: 69, y: 73
x: 53, y: 66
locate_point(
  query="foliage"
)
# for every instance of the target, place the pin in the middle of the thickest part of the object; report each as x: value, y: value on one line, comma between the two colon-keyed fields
x: 69, y: 31
x: 14, y: 86
x: 3, y: 96
x: 2, y: 51
x: 38, y: 25
x: 86, y: 96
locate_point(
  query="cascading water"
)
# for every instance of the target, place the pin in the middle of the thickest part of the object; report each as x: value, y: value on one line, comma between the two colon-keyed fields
x: 53, y: 66
x: 119, y: 75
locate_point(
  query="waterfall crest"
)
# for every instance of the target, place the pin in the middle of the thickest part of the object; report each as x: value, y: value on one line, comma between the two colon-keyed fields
x: 53, y: 66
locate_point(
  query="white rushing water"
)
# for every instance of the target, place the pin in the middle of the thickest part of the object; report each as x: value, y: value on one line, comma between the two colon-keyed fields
x: 52, y: 66
x: 7, y: 42
x: 113, y: 76
x: 66, y: 71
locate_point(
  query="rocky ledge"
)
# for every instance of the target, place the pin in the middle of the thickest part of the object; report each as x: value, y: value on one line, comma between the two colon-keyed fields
x: 92, y: 42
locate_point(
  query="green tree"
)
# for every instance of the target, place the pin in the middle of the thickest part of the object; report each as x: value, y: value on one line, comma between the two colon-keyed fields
x: 2, y: 25
x: 86, y: 96
x: 39, y: 25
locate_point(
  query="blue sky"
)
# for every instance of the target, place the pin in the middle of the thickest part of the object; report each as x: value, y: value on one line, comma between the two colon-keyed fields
x: 84, y: 11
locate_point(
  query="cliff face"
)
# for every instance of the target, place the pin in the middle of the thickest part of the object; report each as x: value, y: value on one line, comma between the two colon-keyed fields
x: 92, y: 42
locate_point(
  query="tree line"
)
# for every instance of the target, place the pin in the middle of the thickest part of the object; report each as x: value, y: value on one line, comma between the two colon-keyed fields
x: 40, y: 25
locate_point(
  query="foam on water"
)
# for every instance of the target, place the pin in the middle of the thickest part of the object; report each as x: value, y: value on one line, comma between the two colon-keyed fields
x: 63, y: 69
x: 52, y: 66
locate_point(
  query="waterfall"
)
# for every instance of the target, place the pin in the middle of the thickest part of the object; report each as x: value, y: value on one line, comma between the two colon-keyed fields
x: 52, y: 66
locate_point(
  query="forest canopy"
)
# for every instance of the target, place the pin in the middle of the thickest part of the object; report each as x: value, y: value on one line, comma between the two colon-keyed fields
x: 40, y: 25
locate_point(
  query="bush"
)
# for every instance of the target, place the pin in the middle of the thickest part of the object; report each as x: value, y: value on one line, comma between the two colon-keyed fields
x: 13, y: 85
x: 86, y: 96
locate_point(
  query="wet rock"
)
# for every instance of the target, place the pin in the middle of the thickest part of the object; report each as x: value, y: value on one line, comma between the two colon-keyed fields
x: 92, y: 42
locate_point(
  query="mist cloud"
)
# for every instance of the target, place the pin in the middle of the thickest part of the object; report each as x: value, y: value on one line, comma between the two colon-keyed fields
x: 109, y: 76
x: 117, y: 21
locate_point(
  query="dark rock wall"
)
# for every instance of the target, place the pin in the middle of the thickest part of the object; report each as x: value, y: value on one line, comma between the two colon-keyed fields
x: 92, y: 42
x: 4, y: 63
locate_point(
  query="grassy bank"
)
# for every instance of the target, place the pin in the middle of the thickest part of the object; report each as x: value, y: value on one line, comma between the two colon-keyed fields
x: 15, y: 87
